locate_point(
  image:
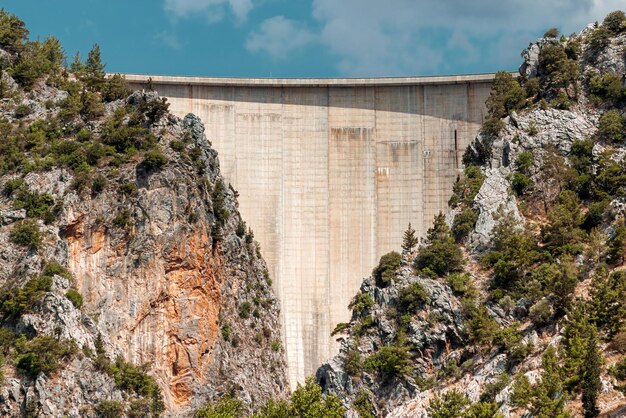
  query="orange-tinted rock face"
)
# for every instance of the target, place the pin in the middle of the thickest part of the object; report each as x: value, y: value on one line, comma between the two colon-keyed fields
x: 166, y: 312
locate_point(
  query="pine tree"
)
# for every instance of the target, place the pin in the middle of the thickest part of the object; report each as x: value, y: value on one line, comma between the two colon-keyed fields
x: 94, y: 69
x: 77, y: 65
x: 409, y: 241
x: 591, y: 384
x: 617, y: 245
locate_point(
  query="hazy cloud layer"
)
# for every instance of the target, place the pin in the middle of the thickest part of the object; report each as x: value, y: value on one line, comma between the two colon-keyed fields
x: 394, y: 37
x: 279, y: 36
x: 213, y: 9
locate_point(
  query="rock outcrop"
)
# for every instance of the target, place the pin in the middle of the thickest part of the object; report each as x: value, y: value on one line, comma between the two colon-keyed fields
x: 168, y: 273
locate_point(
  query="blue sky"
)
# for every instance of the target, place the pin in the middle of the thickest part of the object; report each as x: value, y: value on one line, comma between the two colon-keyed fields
x: 305, y: 38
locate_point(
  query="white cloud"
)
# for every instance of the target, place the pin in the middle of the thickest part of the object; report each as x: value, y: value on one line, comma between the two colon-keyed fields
x: 401, y: 37
x: 278, y: 37
x: 213, y: 9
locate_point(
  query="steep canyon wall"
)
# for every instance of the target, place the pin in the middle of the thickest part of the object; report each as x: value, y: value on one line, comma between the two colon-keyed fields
x: 330, y: 172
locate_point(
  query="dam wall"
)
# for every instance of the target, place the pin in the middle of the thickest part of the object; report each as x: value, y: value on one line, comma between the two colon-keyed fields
x: 329, y: 174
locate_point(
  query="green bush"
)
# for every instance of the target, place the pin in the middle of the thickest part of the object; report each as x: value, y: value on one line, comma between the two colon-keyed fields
x: 390, y: 361
x: 244, y: 310
x: 362, y: 405
x: 37, y: 205
x: 226, y: 407
x: 276, y: 346
x: 154, y: 159
x: 98, y: 184
x: 449, y: 405
x: 463, y: 224
x: 551, y: 33
x: 115, y: 88
x: 27, y: 234
x: 42, y: 355
x: 218, y: 200
x: 13, y: 32
x: 506, y: 96
x: 386, y: 270
x: 607, y: 87
x: 109, y: 409
x: 460, y: 283
x: 17, y: 302
x: 612, y: 127
x: 361, y: 303
x: 412, y: 297
x: 615, y: 22
x: 541, y: 312
x: 75, y: 297
x: 226, y: 331
x: 135, y: 379
x: 442, y: 255
x: 352, y: 362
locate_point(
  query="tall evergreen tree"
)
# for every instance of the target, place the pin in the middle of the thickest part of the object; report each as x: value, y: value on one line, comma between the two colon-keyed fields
x: 94, y: 69
x: 409, y: 241
x: 591, y: 384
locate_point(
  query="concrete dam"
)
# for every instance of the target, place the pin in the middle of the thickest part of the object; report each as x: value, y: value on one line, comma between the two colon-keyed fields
x: 329, y: 174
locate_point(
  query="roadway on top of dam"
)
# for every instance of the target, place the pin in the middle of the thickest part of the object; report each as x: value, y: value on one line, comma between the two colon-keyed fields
x: 312, y: 82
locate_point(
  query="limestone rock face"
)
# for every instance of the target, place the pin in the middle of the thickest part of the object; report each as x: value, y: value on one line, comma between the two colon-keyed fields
x: 163, y: 282
x: 435, y: 334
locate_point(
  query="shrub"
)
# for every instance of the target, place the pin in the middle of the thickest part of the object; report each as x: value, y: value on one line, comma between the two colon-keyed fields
x: 361, y: 303
x: 128, y: 188
x: 340, y: 328
x: 75, y: 297
x: 115, y: 88
x: 460, y: 283
x: 308, y: 401
x: 135, y: 379
x: 219, y: 203
x: 541, y: 312
x: 244, y: 310
x: 362, y: 405
x: 463, y: 224
x: 27, y: 234
x: 42, y: 355
x: 481, y: 325
x: 551, y: 33
x: 109, y: 409
x: 441, y: 255
x: 492, y: 127
x: 412, y: 297
x: 352, y: 362
x: 18, y: 302
x: 276, y: 346
x: 607, y: 87
x: 177, y: 146
x: 449, y: 405
x: 226, y: 331
x: 154, y: 159
x: 390, y: 361
x: 492, y: 389
x: 37, y: 205
x: 386, y: 270
x: 22, y: 111
x: 615, y: 22
x: 506, y: 96
x: 98, y: 185
x: 612, y: 126
x: 226, y: 407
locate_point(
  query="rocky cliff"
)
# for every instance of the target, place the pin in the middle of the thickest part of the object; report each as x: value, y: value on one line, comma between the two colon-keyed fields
x: 130, y: 284
x: 502, y: 306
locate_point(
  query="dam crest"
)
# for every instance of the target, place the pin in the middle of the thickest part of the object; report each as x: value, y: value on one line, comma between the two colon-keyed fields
x: 329, y: 174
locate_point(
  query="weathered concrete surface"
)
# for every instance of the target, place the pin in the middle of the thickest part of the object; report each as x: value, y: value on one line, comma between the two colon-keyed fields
x: 330, y: 172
